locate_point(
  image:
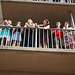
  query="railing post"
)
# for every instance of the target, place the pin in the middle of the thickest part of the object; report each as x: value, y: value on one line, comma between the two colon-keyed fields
x: 72, y: 19
x: 35, y: 35
x: 72, y: 24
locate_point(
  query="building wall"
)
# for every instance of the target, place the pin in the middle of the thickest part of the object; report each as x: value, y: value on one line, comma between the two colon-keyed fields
x: 32, y: 61
x: 54, y: 12
x: 1, y: 16
x: 17, y: 0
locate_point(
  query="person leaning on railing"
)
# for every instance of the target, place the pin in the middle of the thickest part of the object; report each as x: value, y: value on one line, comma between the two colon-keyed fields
x: 29, y: 24
x: 5, y: 34
x: 57, y: 35
x: 44, y: 26
x: 16, y: 36
x: 68, y: 38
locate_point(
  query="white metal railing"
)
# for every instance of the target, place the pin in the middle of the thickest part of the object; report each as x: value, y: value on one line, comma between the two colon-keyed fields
x: 36, y: 37
x: 61, y: 1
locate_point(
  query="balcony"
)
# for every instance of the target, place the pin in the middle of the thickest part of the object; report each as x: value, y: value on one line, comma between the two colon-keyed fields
x: 35, y: 60
x: 45, y: 1
x: 23, y: 60
x: 32, y: 37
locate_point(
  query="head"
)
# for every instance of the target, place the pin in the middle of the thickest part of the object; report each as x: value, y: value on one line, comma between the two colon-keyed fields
x: 30, y: 21
x: 45, y: 22
x: 66, y: 24
x: 18, y: 23
x: 58, y: 24
x: 10, y: 22
x: 5, y: 22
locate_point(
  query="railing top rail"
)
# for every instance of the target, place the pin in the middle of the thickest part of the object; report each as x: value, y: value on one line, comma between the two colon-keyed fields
x: 37, y: 28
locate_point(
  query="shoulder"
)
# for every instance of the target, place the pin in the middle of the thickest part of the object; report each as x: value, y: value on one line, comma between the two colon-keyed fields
x: 63, y: 27
x: 70, y: 28
x: 48, y: 26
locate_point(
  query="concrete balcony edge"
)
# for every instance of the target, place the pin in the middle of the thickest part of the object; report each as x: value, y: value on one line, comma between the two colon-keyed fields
x: 37, y: 49
x: 57, y: 3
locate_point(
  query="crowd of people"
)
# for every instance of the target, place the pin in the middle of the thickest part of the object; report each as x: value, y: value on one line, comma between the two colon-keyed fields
x: 15, y: 36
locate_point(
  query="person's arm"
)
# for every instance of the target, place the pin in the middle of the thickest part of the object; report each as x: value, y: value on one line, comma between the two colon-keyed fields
x: 33, y: 25
x: 10, y: 25
x: 45, y: 27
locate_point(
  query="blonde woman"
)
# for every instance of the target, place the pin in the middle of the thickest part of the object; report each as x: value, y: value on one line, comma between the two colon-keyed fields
x: 29, y: 24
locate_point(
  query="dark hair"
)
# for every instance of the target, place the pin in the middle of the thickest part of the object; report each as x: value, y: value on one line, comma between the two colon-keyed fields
x: 67, y: 22
x: 47, y: 21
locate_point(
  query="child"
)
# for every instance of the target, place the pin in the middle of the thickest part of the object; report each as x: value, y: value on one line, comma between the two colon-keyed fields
x: 57, y: 35
x: 68, y: 38
x: 5, y: 34
x: 16, y: 36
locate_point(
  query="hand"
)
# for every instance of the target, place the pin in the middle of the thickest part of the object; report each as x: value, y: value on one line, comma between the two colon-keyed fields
x: 26, y: 24
x: 45, y: 28
x: 18, y: 25
x: 37, y: 26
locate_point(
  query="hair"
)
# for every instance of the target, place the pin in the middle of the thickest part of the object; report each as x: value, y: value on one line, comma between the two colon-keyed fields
x: 31, y: 21
x: 47, y: 21
x: 58, y: 22
x: 5, y: 21
x: 10, y: 21
x: 19, y: 22
x: 67, y: 22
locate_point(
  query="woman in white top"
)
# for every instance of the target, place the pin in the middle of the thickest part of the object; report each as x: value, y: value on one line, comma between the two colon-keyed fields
x: 45, y: 26
x: 28, y: 35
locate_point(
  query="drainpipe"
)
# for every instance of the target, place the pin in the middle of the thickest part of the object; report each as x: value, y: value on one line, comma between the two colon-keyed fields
x: 72, y: 19
x: 73, y: 24
x: 1, y: 15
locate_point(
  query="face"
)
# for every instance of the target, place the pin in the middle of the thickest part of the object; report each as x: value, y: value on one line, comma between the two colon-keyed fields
x: 44, y: 23
x: 5, y: 22
x: 66, y: 25
x: 30, y: 21
x: 18, y: 24
x: 9, y: 22
x: 58, y: 24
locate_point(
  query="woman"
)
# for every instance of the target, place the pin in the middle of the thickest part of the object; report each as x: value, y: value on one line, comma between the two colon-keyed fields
x: 68, y: 38
x: 16, y: 36
x: 29, y: 24
x: 5, y: 34
x: 44, y: 26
